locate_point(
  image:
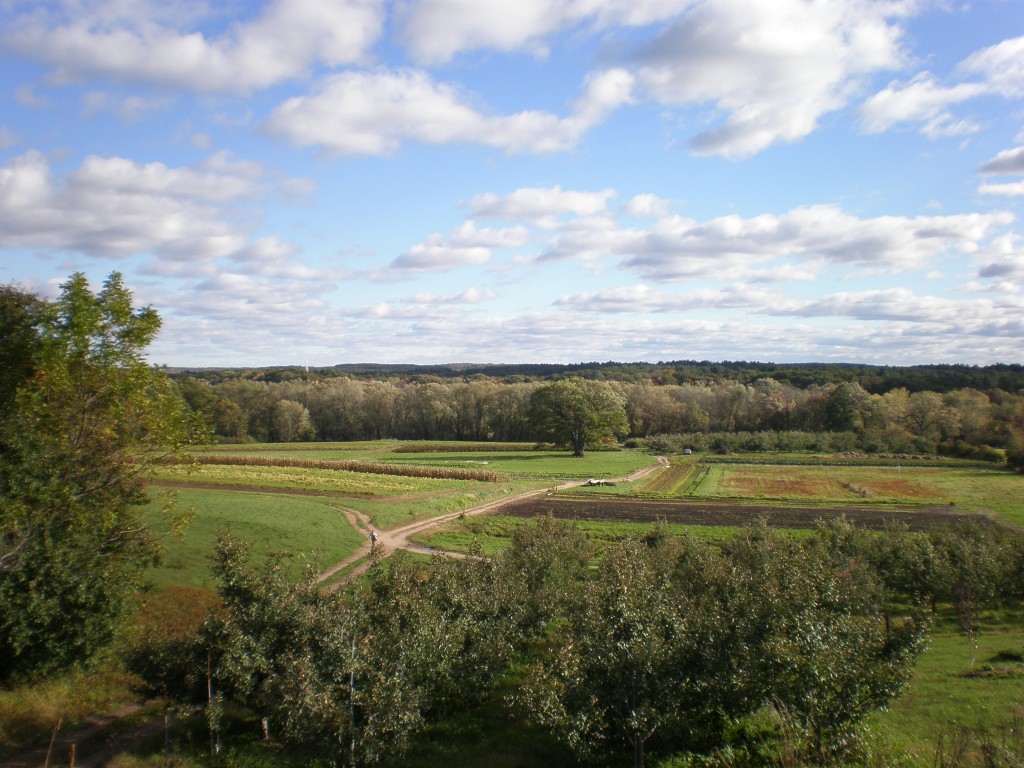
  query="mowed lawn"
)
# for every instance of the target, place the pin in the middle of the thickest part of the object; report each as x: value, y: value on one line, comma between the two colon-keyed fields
x: 304, y: 527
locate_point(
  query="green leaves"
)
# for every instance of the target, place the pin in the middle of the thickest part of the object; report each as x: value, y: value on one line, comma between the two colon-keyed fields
x: 87, y: 420
x: 578, y: 412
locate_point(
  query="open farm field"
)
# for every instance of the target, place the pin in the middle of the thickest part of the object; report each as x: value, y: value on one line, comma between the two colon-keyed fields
x: 967, y: 488
x: 541, y: 465
x: 717, y: 512
x: 302, y: 526
x: 518, y: 460
x: 300, y: 479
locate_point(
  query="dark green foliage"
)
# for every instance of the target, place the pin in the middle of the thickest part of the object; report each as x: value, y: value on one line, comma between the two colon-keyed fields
x: 670, y: 644
x: 88, y: 418
x: 670, y: 647
x: 577, y: 412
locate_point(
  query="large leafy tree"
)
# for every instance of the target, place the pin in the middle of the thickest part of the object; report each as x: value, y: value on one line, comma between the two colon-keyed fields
x: 577, y: 412
x: 85, y: 417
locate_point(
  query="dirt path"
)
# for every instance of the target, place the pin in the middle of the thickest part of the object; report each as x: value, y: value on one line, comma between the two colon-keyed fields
x: 389, y: 542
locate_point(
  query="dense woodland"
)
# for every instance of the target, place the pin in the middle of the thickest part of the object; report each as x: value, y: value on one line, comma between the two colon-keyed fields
x: 858, y: 414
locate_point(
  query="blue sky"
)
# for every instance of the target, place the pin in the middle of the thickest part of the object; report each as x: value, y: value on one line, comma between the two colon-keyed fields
x: 429, y: 181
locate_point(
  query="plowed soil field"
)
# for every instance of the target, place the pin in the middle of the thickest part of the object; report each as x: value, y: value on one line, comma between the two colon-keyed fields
x: 729, y: 513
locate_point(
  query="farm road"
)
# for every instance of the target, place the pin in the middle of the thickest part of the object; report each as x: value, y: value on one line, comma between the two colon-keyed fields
x: 401, y: 538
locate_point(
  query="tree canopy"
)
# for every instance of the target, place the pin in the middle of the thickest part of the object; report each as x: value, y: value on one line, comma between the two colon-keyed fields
x: 85, y: 419
x: 578, y: 412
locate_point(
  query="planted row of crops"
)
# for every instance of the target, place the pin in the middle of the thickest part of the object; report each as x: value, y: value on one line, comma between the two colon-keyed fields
x: 368, y: 467
x: 430, y: 447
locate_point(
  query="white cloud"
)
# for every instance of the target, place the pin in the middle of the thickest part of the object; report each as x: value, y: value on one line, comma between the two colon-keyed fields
x: 467, y: 246
x: 468, y: 296
x: 113, y: 207
x: 646, y: 206
x: 728, y: 247
x: 1000, y: 66
x: 372, y: 113
x: 149, y: 43
x: 924, y: 100
x: 895, y: 304
x: 772, y: 68
x: 1011, y: 189
x: 433, y: 31
x: 642, y: 299
x: 542, y: 205
x: 1009, y: 161
x: 996, y: 70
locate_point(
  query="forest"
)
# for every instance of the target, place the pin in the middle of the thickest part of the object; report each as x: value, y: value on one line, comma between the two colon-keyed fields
x: 729, y: 414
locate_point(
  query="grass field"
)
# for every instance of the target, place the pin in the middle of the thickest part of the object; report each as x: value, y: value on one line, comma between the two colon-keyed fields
x: 960, y: 682
x: 306, y: 526
x: 524, y: 464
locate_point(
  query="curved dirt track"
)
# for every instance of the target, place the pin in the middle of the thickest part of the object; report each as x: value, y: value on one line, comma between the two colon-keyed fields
x: 389, y: 542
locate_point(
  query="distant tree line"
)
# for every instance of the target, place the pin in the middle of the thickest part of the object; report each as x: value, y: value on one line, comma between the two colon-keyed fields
x: 964, y: 421
x: 876, y: 379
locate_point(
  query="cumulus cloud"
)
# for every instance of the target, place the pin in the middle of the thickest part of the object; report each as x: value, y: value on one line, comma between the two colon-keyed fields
x: 646, y: 206
x: 372, y: 113
x: 996, y: 70
x: 772, y: 68
x: 896, y: 304
x: 923, y: 100
x: 466, y: 246
x: 1011, y: 189
x: 114, y: 207
x: 468, y: 296
x: 434, y: 31
x: 644, y: 299
x: 155, y: 43
x: 1010, y: 161
x: 771, y: 248
x: 541, y: 205
x: 679, y: 249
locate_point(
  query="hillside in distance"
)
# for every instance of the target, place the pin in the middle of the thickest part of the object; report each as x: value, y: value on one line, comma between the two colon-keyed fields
x: 877, y: 379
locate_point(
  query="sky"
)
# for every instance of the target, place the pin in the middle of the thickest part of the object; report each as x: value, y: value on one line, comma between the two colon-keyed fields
x: 316, y: 182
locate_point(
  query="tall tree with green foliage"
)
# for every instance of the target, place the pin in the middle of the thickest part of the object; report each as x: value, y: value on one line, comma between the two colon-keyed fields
x: 86, y: 418
x: 578, y: 412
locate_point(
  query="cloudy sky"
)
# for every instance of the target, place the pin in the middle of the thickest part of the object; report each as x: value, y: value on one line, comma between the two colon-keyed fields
x: 430, y: 181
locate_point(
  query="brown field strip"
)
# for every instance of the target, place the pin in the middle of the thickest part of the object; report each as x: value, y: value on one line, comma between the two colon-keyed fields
x: 731, y: 513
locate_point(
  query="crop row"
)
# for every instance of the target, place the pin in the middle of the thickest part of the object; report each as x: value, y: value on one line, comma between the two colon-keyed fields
x: 463, y: 447
x: 369, y: 467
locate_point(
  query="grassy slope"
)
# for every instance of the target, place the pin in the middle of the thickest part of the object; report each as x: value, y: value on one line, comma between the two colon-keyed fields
x: 272, y: 522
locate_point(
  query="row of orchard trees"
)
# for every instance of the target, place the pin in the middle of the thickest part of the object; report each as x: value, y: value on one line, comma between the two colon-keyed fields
x: 484, y: 409
x: 672, y: 645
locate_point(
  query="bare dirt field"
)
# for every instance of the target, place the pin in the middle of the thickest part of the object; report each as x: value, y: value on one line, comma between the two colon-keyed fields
x: 731, y: 513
